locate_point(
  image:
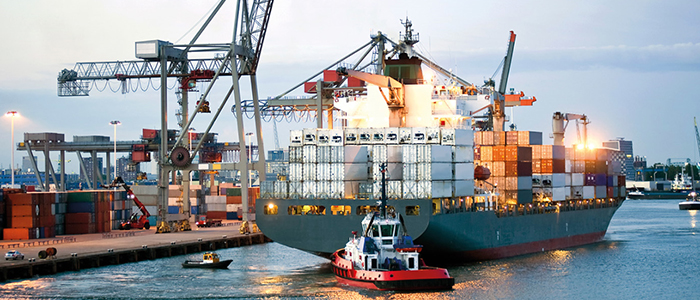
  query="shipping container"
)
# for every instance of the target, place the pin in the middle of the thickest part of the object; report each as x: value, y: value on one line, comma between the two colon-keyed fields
x: 379, y: 153
x: 405, y: 135
x: 518, y: 153
x: 518, y: 183
x: 463, y: 171
x: 323, y: 154
x: 309, y: 136
x: 356, y: 154
x: 351, y: 136
x: 409, y: 153
x: 463, y: 188
x: 378, y: 136
x: 364, y: 136
x: 418, y: 135
x: 337, y: 154
x: 310, y: 154
x: 529, y: 138
x: 392, y: 135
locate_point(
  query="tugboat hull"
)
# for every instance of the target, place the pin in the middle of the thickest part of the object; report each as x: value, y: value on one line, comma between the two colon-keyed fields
x: 426, y: 278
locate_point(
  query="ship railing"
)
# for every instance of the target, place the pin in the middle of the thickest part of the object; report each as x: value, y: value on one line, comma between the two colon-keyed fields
x: 555, y: 207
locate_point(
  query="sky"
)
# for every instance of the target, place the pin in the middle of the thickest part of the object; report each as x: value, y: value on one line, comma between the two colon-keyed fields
x: 632, y: 67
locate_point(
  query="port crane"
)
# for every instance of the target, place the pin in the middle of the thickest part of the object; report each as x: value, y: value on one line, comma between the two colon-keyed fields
x: 163, y: 60
x: 697, y: 134
x: 561, y: 121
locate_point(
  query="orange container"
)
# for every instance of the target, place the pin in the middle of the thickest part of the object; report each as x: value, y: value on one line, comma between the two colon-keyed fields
x: 22, y: 222
x: 19, y: 233
x: 21, y: 210
x: 20, y: 199
x: 234, y: 200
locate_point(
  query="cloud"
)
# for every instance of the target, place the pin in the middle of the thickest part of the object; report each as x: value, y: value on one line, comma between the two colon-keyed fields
x: 651, y: 58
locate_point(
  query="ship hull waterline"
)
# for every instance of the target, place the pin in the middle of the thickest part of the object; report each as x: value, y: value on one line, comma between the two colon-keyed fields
x: 458, y: 235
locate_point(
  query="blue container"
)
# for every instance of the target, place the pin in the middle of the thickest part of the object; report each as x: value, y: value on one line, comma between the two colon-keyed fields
x: 119, y: 215
x: 601, y: 179
x: 80, y: 207
x: 194, y: 210
x: 152, y: 220
x: 41, y: 232
x: 173, y: 209
x: 231, y: 215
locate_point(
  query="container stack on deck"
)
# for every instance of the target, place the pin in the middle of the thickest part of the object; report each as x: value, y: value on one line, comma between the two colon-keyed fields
x: 422, y: 162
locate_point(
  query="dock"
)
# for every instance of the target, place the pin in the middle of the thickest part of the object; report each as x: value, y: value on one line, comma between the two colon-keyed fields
x: 78, y: 252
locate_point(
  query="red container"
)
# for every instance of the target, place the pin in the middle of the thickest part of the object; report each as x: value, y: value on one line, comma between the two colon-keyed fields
x: 79, y: 218
x: 149, y: 134
x: 80, y: 228
x: 216, y: 215
x: 20, y: 199
x: 330, y: 76
x: 233, y: 200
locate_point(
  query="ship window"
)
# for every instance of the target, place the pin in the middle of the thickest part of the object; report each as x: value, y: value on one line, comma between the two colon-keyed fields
x: 340, y: 209
x: 387, y: 230
x: 365, y: 209
x: 411, y: 263
x: 413, y: 210
x: 375, y: 230
x: 270, y: 209
x: 306, y: 210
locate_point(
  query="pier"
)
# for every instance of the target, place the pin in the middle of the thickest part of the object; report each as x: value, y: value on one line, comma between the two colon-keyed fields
x: 95, y: 250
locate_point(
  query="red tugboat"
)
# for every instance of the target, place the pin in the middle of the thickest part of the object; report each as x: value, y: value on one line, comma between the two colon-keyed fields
x: 385, y: 258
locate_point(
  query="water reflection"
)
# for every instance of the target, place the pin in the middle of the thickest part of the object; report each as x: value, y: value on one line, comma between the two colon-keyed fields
x: 693, y: 221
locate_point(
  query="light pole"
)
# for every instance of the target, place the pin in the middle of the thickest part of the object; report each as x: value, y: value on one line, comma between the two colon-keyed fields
x: 12, y: 114
x: 250, y: 157
x: 115, y: 123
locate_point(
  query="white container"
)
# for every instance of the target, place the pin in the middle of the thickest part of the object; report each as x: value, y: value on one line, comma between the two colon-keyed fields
x: 462, y: 154
x: 432, y: 135
x: 433, y: 153
x: 409, y: 189
x: 568, y: 166
x: 296, y: 154
x: 351, y: 136
x: 447, y: 136
x: 405, y: 135
x: 323, y: 137
x: 337, y: 189
x: 323, y: 171
x: 464, y: 137
x: 567, y: 179
x: 394, y: 189
x: 378, y: 135
x: 323, y: 154
x: 310, y: 154
x: 577, y: 179
x: 323, y: 189
x: 337, y: 154
x: 308, y: 172
x: 309, y: 189
x: 355, y: 171
x: 267, y: 189
x: 394, y: 171
x: 336, y: 137
x: 364, y: 136
x: 441, y: 188
x: 434, y: 171
x: 355, y: 154
x: 280, y: 189
x: 233, y: 207
x: 576, y: 192
x: 410, y: 171
x: 392, y: 136
x: 377, y: 189
x: 296, y: 172
x: 296, y: 138
x: 379, y: 153
x: 424, y: 189
x: 463, y: 171
x: 394, y: 153
x: 546, y: 180
x: 558, y: 180
x: 409, y: 153
x: 559, y: 193
x: 589, y: 192
x: 213, y: 199
x: 337, y: 171
x: 463, y: 188
x: 418, y: 136
x: 309, y: 136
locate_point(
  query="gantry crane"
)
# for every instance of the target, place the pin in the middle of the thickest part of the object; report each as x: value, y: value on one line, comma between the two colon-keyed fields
x: 697, y: 135
x: 161, y: 60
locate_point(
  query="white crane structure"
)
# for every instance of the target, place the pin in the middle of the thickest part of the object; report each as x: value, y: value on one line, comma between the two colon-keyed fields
x: 561, y: 121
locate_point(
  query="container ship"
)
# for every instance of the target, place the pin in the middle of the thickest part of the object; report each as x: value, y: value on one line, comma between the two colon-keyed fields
x: 467, y: 188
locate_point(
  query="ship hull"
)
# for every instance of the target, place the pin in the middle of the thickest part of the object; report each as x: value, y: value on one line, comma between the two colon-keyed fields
x: 465, y: 235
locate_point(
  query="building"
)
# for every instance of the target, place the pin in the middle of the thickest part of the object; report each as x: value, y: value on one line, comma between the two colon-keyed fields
x: 127, y: 170
x: 88, y: 161
x: 27, y: 164
x: 627, y: 162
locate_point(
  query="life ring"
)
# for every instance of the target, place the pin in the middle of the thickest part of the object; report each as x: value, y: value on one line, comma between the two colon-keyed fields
x: 488, y: 97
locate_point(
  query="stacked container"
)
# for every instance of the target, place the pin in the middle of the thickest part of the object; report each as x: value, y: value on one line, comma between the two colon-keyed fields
x: 549, y: 172
x: 510, y: 158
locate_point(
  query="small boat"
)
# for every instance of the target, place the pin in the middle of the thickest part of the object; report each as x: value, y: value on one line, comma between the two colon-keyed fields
x: 210, y: 260
x: 692, y: 202
x: 635, y: 194
x: 384, y: 257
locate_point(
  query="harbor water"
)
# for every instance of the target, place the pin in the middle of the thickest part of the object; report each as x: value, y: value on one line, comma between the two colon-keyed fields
x: 650, y: 251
